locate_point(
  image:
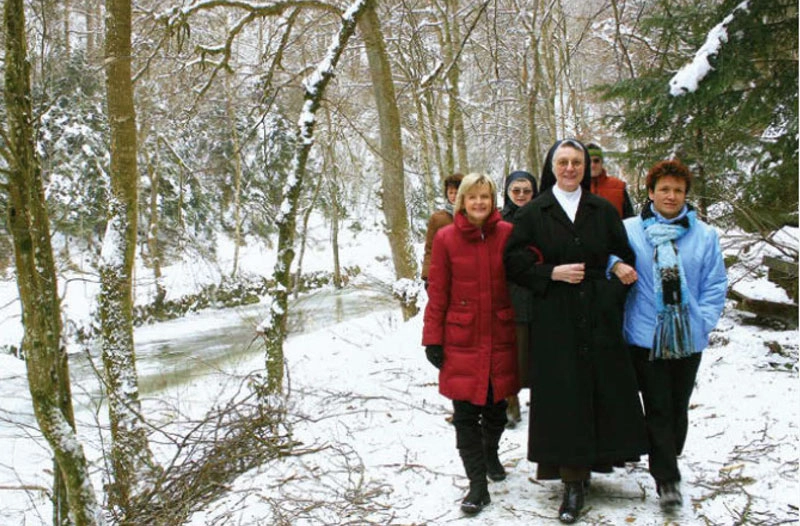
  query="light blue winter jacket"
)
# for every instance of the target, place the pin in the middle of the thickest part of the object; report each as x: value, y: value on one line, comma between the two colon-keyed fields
x: 704, y: 268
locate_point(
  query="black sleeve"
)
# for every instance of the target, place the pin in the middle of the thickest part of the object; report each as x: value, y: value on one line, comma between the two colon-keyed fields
x: 523, y: 258
x: 627, y: 205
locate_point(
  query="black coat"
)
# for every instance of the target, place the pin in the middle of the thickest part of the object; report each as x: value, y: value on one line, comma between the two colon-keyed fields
x: 585, y: 407
x: 520, y: 296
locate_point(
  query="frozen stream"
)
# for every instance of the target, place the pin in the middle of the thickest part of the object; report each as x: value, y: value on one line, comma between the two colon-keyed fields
x: 177, y: 351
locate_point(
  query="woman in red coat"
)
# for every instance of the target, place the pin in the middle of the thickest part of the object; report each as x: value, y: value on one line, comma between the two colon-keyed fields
x: 469, y: 331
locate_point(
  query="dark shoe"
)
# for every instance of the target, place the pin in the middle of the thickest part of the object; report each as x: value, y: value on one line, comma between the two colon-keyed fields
x: 670, y: 493
x: 494, y: 468
x: 572, y: 502
x: 476, y: 499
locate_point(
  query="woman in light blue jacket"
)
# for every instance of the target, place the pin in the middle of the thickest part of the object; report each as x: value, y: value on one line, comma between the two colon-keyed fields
x: 670, y: 312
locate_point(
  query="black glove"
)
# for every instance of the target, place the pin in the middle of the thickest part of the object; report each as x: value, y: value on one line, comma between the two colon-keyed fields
x: 435, y: 354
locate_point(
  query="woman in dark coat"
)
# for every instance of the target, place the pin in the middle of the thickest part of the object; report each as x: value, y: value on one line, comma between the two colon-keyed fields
x: 520, y: 189
x: 468, y: 331
x: 585, y: 409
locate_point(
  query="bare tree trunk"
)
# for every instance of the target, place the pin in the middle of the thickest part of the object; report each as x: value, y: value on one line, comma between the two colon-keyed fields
x: 153, y: 248
x: 131, y: 459
x: 331, y: 166
x: 46, y: 359
x: 620, y: 44
x: 91, y: 30
x: 427, y: 166
x: 304, y: 234
x: 433, y: 125
x: 67, y: 44
x: 337, y: 269
x: 392, y: 175
x: 455, y: 115
x: 237, y: 176
x: 701, y: 179
x: 275, y: 328
x: 547, y: 78
x: 533, y: 150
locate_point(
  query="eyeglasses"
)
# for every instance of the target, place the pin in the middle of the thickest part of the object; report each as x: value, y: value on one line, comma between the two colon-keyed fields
x: 597, y: 160
x: 523, y: 191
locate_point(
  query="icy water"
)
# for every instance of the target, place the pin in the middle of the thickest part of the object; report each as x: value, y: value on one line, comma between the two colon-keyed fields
x: 177, y: 351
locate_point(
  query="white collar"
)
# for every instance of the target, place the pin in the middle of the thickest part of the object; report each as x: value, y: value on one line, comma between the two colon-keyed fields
x: 568, y: 200
x: 572, y: 196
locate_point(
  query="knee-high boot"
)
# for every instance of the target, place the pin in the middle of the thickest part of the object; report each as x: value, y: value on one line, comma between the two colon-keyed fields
x: 492, y: 427
x: 470, y: 448
x: 475, y: 467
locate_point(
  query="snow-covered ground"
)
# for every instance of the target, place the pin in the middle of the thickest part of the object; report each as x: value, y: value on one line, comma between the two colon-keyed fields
x: 364, y: 398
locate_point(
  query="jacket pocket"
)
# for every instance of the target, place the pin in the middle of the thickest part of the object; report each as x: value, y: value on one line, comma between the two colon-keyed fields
x: 505, y: 327
x: 459, y: 328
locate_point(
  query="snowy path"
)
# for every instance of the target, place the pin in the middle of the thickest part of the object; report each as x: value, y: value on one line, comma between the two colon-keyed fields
x: 363, y: 393
x: 392, y: 458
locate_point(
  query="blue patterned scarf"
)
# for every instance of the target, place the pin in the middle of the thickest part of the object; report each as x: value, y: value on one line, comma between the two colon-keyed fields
x: 673, y: 334
x: 448, y: 206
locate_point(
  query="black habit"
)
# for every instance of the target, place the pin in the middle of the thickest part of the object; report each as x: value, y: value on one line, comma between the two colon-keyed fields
x: 585, y: 408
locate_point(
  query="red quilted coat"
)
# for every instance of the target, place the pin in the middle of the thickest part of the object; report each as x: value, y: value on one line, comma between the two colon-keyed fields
x: 469, y: 311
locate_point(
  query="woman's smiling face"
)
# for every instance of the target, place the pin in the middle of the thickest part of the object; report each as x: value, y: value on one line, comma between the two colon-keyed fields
x: 568, y: 166
x: 478, y: 203
x: 520, y: 192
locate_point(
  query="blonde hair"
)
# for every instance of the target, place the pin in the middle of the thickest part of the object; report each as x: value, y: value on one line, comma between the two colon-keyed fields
x: 468, y: 183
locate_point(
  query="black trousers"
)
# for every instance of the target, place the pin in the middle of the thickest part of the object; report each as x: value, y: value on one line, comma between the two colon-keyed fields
x: 666, y: 387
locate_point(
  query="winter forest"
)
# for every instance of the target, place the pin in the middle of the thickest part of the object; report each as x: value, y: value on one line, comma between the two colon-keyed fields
x: 212, y: 221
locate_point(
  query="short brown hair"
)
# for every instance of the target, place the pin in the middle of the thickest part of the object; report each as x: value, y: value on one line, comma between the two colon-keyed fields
x: 673, y: 168
x: 453, y: 180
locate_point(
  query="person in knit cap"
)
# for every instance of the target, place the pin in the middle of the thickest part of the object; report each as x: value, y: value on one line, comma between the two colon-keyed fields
x: 585, y: 412
x: 439, y: 219
x: 520, y: 189
x: 611, y: 188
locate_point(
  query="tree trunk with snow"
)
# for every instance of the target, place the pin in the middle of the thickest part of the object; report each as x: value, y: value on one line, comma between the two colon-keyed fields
x: 131, y: 458
x: 46, y: 358
x: 275, y: 328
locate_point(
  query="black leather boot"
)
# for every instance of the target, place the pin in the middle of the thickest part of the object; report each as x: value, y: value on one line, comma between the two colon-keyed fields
x: 475, y: 466
x: 494, y: 468
x: 670, y: 493
x: 477, y: 498
x: 572, y: 502
x: 491, y: 431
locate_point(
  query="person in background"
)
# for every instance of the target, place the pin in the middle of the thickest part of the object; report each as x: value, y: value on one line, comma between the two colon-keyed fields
x: 585, y: 410
x: 468, y: 331
x: 670, y: 312
x: 520, y: 189
x: 611, y: 188
x: 439, y: 219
